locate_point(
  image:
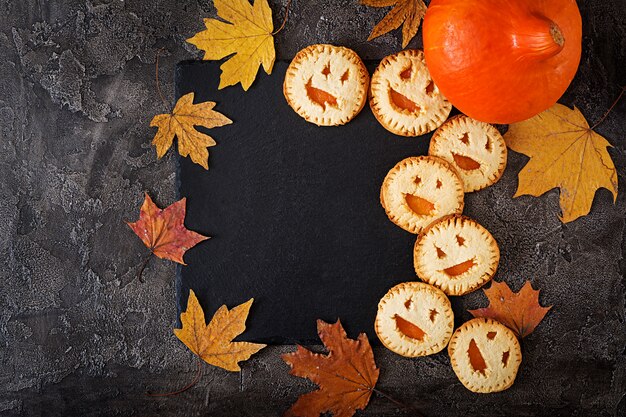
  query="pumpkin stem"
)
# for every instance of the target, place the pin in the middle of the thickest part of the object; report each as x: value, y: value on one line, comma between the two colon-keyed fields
x: 540, y: 38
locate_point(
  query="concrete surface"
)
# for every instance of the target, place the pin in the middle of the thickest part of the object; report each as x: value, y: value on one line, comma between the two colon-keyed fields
x: 80, y: 337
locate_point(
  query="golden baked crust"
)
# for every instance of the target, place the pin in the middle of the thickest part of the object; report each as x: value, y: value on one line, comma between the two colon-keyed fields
x: 417, y: 184
x: 403, y: 96
x: 475, y: 149
x: 456, y: 254
x: 414, y: 319
x: 499, y: 357
x: 326, y: 85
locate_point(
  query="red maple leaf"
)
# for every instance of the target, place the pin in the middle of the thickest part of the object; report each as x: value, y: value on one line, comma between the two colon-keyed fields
x: 164, y: 232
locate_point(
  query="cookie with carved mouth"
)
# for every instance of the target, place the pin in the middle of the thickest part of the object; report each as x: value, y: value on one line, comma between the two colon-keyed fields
x: 456, y: 254
x: 485, y: 355
x: 419, y: 190
x: 326, y: 85
x: 476, y: 149
x: 403, y: 96
x: 414, y: 319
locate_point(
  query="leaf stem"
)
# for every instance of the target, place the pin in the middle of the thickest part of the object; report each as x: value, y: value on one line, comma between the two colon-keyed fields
x: 143, y: 266
x: 284, y: 19
x: 396, y: 402
x: 167, y: 105
x: 183, y: 389
x: 610, y: 108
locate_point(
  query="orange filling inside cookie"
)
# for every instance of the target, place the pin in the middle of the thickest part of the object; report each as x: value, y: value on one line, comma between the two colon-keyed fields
x: 465, y: 162
x: 459, y: 269
x: 476, y: 358
x: 319, y: 96
x: 403, y: 102
x: 419, y: 205
x: 409, y: 329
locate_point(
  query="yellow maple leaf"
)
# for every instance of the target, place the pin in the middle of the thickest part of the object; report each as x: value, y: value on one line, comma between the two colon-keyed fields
x: 411, y: 12
x: 247, y: 33
x: 181, y: 124
x: 213, y: 342
x: 565, y: 153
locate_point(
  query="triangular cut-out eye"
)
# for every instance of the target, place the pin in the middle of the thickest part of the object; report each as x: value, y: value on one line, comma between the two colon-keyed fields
x: 417, y: 180
x: 439, y: 184
x: 465, y: 138
x: 440, y: 254
x: 491, y: 335
x: 460, y: 240
x: 488, y: 144
x: 326, y: 70
x: 433, y: 314
x: 406, y: 73
x: 344, y: 76
x: 430, y: 88
x: 408, y: 303
x: 505, y: 358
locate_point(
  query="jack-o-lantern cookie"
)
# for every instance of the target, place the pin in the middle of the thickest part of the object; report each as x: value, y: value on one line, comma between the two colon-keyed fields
x: 419, y: 190
x: 476, y: 149
x: 326, y: 85
x: 485, y: 355
x: 456, y: 254
x: 414, y: 319
x: 403, y: 96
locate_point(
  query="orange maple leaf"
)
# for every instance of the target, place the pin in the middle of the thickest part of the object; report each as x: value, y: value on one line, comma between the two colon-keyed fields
x: 521, y: 312
x: 163, y: 231
x: 346, y: 376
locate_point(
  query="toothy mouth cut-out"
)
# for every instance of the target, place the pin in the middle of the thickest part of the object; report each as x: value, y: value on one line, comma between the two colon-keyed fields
x: 326, y: 85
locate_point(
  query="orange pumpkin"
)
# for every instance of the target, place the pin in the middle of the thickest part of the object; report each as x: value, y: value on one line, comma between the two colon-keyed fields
x: 502, y: 61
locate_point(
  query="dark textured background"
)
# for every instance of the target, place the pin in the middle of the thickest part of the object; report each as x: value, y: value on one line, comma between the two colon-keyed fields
x: 80, y: 337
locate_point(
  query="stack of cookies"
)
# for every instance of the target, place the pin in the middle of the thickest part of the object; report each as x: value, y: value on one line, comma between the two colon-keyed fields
x: 453, y: 255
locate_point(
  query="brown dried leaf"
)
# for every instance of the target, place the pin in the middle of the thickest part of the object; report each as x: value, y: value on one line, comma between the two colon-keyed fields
x: 409, y: 12
x: 521, y: 312
x: 346, y: 376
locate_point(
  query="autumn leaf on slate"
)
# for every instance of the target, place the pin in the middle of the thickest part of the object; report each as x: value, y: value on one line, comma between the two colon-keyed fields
x: 521, y: 312
x: 346, y: 376
x: 181, y: 124
x: 565, y: 153
x: 247, y: 33
x: 213, y: 342
x: 411, y: 12
x: 163, y: 231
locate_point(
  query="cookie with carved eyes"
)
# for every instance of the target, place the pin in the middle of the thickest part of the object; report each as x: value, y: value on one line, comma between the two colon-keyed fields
x: 414, y: 319
x: 403, y: 96
x: 456, y: 254
x: 326, y: 85
x: 419, y: 190
x: 485, y: 355
x: 476, y: 149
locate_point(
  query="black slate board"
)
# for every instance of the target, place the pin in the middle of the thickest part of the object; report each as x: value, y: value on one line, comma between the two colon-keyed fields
x: 293, y: 210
